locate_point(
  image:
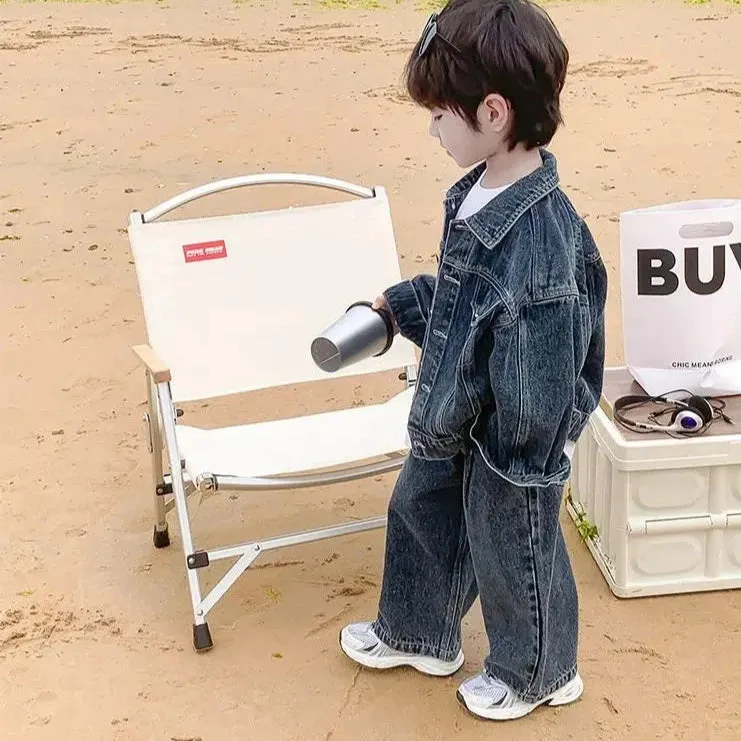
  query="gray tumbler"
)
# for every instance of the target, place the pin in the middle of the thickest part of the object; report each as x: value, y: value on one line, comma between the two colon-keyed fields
x: 361, y: 332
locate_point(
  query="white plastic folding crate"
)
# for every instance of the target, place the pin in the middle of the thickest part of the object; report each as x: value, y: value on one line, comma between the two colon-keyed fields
x: 667, y: 511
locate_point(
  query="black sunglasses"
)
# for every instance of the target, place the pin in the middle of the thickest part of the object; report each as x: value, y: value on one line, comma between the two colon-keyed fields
x: 429, y: 33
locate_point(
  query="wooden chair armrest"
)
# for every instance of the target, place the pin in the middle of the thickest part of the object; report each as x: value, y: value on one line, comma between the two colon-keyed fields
x: 160, y: 372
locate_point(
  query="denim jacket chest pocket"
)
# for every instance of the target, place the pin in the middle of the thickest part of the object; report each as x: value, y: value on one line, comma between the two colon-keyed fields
x: 466, y: 257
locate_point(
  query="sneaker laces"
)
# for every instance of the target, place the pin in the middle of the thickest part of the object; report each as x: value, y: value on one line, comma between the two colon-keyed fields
x: 365, y: 635
x: 486, y: 687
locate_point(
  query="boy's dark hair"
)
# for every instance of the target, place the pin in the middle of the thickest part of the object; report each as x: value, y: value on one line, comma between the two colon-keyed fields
x: 508, y: 47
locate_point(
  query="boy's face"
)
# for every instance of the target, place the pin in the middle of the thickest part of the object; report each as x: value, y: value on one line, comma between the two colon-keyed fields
x: 465, y: 145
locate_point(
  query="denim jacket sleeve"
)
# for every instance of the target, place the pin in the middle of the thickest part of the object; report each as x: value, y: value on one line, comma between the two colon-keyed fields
x: 545, y: 367
x: 410, y: 302
x: 588, y: 388
x: 532, y: 372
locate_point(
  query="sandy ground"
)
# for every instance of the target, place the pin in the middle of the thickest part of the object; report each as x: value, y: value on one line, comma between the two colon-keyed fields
x: 105, y: 108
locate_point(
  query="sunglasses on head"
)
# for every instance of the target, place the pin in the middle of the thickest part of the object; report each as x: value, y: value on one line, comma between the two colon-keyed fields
x: 430, y: 32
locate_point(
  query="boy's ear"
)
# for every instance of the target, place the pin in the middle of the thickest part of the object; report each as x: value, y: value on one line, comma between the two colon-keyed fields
x: 497, y: 113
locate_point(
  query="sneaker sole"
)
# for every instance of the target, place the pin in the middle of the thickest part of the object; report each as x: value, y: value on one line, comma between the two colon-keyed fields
x: 569, y: 693
x: 425, y: 664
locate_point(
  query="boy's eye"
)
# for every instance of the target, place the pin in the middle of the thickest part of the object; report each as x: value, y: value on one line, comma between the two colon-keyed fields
x: 437, y: 116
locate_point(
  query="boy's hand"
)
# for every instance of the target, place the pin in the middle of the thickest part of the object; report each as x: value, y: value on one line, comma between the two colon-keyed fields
x: 381, y: 303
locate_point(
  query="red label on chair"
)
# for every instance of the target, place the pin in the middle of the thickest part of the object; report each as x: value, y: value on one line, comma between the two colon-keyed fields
x: 204, y: 251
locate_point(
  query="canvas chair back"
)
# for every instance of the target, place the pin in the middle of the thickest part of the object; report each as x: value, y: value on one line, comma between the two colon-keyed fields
x: 232, y: 303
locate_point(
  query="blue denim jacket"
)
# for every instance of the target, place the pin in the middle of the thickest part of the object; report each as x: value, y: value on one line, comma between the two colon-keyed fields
x: 511, y: 330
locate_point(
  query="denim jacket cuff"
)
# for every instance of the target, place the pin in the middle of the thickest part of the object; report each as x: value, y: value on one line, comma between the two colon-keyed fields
x: 404, y: 304
x: 578, y: 422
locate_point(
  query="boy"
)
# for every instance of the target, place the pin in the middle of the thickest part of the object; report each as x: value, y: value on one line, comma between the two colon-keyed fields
x: 512, y: 337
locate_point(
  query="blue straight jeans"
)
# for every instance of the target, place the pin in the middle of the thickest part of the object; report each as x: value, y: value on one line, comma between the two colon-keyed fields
x: 457, y: 530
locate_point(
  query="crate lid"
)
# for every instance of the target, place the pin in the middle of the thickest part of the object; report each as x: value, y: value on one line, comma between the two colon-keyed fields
x: 619, y: 382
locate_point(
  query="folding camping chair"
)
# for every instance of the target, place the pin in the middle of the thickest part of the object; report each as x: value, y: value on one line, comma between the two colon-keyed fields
x: 231, y: 305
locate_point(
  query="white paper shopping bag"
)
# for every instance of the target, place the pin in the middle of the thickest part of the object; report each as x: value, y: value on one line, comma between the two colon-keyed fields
x: 681, y: 296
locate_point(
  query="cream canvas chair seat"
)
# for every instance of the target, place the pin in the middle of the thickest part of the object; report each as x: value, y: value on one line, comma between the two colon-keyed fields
x: 231, y: 305
x: 293, y: 445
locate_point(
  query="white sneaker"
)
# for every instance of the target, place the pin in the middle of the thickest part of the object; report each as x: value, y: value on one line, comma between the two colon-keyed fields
x: 362, y: 645
x: 489, y: 698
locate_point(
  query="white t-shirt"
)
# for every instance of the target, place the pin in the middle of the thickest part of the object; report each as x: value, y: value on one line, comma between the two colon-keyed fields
x: 569, y: 448
x: 474, y: 201
x: 478, y: 197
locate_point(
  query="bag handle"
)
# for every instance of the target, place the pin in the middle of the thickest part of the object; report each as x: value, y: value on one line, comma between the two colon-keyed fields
x: 706, y: 230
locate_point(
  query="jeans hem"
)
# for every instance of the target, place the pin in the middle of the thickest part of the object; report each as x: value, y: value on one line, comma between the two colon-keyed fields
x: 412, y: 646
x: 524, y: 692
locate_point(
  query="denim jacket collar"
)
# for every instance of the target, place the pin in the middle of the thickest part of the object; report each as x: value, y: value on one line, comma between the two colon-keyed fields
x: 494, y: 220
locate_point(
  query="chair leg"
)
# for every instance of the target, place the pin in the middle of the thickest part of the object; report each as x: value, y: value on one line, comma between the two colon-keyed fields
x: 161, y: 533
x: 201, y: 635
